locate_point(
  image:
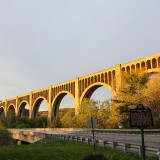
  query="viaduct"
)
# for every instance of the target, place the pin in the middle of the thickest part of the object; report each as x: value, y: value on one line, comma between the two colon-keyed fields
x: 78, y: 88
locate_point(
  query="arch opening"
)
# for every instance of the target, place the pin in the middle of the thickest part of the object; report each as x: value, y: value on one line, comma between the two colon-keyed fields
x: 143, y: 66
x: 148, y: 64
x: 154, y: 63
x: 128, y: 69
x: 2, y: 112
x: 132, y: 68
x: 23, y: 110
x: 123, y: 70
x: 98, y: 93
x: 11, y: 112
x: 137, y: 67
x: 40, y: 108
x: 62, y: 102
x: 159, y: 62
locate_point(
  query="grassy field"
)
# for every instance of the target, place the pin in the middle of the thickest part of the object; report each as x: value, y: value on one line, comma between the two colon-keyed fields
x: 60, y: 150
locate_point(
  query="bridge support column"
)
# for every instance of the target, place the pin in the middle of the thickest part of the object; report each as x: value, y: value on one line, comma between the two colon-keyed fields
x: 5, y: 108
x: 16, y: 109
x: 118, y: 77
x: 30, y: 106
x: 50, y: 106
x: 77, y: 99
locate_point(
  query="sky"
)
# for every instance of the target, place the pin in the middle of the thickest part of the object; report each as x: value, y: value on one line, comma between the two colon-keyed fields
x: 46, y: 42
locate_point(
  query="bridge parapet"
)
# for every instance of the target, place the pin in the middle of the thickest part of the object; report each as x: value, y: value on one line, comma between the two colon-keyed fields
x: 68, y: 86
x: 27, y: 136
x: 148, y: 64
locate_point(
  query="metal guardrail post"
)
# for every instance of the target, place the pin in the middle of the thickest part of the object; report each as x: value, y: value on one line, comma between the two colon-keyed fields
x: 140, y: 150
x: 104, y: 143
x: 158, y: 153
x: 126, y: 146
x: 114, y: 144
x: 77, y: 139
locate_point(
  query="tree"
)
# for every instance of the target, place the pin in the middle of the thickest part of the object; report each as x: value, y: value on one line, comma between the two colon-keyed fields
x: 87, y: 109
x: 5, y: 135
x: 130, y: 94
x: 151, y: 98
x: 103, y: 114
x: 63, y: 114
x: 68, y: 119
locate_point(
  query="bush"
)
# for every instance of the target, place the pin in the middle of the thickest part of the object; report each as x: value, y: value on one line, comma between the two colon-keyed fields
x: 5, y: 135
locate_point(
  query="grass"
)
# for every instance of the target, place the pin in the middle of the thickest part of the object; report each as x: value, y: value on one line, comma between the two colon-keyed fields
x: 61, y: 150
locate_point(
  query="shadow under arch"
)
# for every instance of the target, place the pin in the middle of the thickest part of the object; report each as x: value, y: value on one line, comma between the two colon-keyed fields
x: 11, y: 111
x: 57, y: 100
x: 36, y: 106
x: 2, y: 112
x: 90, y: 90
x: 21, y: 109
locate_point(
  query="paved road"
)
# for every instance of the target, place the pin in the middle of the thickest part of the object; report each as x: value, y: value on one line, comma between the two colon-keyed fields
x: 150, y: 140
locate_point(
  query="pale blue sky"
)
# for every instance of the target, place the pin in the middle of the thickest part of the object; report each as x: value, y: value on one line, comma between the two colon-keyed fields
x: 45, y: 42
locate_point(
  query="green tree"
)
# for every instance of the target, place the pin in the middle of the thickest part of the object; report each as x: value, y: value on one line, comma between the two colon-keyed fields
x: 5, y: 135
x: 68, y: 119
x: 87, y: 109
x: 57, y: 121
x: 103, y: 114
x: 130, y: 94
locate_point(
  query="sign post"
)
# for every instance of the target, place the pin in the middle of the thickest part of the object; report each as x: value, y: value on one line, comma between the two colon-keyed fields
x: 141, y: 118
x: 92, y: 122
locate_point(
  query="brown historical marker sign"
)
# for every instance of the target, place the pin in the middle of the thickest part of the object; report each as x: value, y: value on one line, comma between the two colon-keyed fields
x: 140, y: 117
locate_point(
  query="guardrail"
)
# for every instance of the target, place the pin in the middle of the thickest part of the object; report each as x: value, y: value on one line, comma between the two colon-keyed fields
x: 126, y: 147
x: 125, y: 131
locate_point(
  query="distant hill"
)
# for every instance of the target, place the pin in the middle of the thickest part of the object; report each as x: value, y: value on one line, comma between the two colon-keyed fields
x: 61, y: 111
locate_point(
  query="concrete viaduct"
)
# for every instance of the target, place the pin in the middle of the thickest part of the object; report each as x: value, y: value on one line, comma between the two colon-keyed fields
x: 78, y: 88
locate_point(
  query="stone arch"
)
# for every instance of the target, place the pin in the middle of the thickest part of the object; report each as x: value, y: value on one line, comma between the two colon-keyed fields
x: 11, y: 111
x: 102, y: 77
x: 36, y: 106
x: 21, y: 108
x: 82, y: 85
x: 106, y: 77
x: 137, y: 67
x: 123, y: 69
x: 92, y: 79
x: 159, y: 62
x: 109, y: 78
x: 89, y: 81
x: 95, y: 78
x: 57, y: 100
x: 143, y: 66
x: 132, y: 68
x: 114, y: 79
x: 90, y: 90
x: 154, y: 63
x: 148, y: 64
x: 128, y: 69
x: 99, y: 78
x: 85, y: 82
x: 2, y: 111
x: 69, y: 86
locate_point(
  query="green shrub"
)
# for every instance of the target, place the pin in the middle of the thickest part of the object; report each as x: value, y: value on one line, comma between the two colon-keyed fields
x: 5, y: 135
